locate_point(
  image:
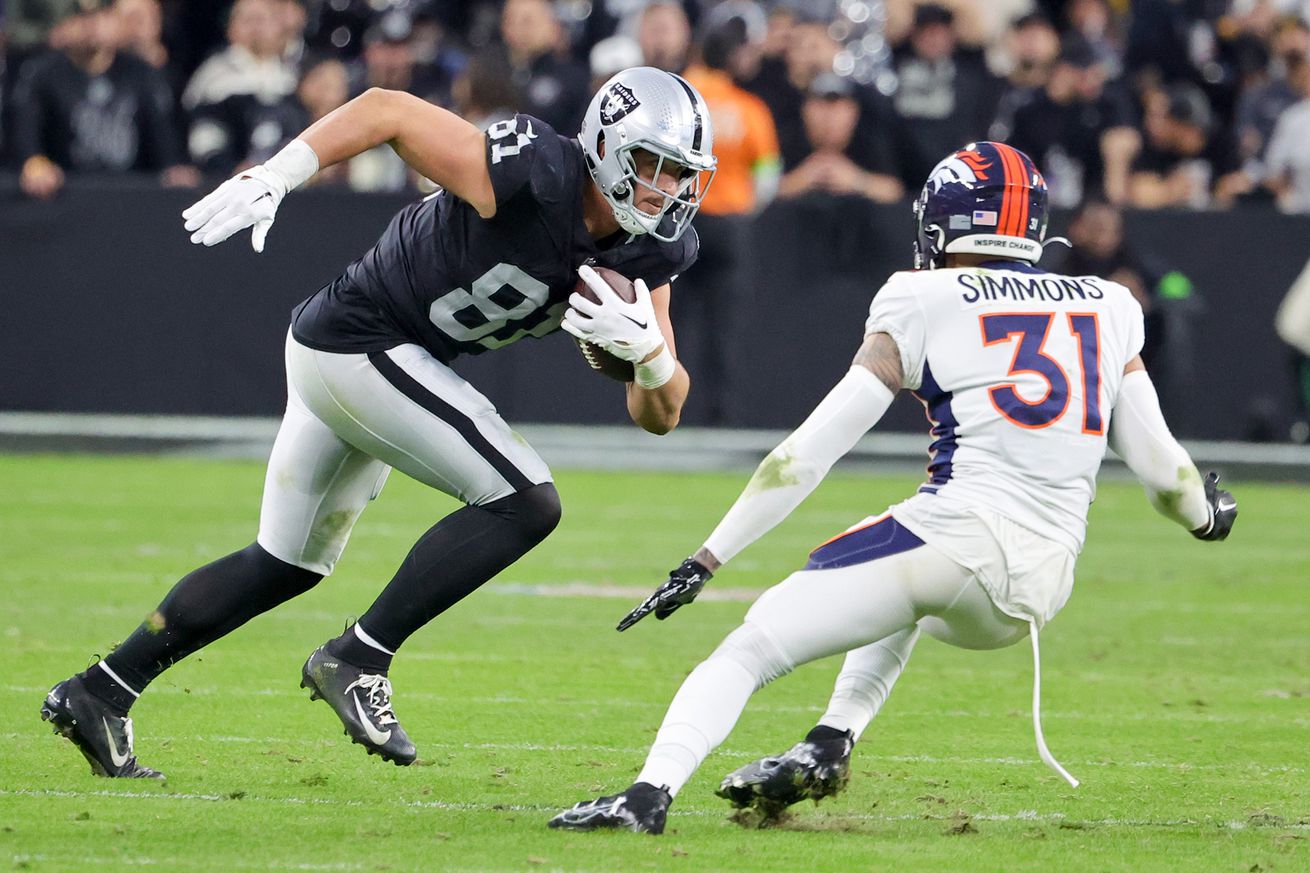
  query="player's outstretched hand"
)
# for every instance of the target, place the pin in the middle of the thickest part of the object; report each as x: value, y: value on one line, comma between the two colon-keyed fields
x: 248, y: 199
x: 681, y: 588
x: 628, y: 331
x: 1223, y: 511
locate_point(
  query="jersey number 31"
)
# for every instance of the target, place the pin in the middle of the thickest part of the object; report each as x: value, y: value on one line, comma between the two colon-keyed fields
x: 1031, y: 329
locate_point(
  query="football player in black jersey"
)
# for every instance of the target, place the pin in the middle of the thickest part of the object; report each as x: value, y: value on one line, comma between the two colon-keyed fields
x: 490, y: 259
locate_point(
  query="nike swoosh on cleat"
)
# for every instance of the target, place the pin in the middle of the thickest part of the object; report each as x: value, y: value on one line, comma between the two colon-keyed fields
x: 376, y: 736
x: 118, y: 758
x: 1224, y: 507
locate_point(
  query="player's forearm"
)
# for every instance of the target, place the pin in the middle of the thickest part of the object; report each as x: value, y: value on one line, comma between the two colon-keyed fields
x: 780, y: 484
x: 1139, y: 435
x: 796, y: 467
x: 658, y: 410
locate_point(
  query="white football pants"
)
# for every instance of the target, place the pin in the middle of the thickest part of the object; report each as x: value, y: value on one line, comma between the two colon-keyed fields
x: 873, y: 611
x: 352, y: 417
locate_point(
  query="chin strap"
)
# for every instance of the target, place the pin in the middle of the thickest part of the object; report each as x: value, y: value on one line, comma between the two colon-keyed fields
x: 1064, y: 241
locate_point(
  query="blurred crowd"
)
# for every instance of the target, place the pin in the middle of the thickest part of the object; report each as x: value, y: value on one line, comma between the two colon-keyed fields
x: 1158, y: 103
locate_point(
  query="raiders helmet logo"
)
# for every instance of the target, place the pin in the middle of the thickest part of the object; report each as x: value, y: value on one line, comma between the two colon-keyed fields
x: 617, y: 103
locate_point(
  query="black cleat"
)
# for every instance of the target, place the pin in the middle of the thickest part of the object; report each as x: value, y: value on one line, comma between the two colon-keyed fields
x: 363, y: 703
x: 102, y: 735
x: 809, y: 769
x: 641, y: 808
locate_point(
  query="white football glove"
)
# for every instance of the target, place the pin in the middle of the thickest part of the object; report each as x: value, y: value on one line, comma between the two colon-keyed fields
x: 628, y: 331
x: 248, y: 199
x: 251, y: 198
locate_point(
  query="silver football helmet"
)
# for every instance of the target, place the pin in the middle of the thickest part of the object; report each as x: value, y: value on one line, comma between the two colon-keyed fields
x: 646, y: 108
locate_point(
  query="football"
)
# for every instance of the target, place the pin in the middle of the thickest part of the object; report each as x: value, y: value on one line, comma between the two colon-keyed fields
x: 596, y: 357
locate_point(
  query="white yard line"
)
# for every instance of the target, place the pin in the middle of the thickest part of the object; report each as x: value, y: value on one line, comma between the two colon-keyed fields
x: 617, y: 592
x: 864, y: 756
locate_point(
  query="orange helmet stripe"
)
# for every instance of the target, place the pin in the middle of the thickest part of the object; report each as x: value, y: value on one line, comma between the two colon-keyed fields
x: 1007, y: 202
x: 1025, y: 186
x: 1014, y: 197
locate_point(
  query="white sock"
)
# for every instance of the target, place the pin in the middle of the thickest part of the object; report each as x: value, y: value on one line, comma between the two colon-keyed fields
x: 700, y: 717
x: 369, y: 641
x: 865, y: 681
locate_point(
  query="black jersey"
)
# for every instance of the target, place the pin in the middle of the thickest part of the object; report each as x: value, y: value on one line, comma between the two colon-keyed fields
x: 455, y: 283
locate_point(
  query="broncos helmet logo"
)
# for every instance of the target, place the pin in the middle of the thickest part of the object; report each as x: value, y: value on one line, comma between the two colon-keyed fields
x: 966, y: 167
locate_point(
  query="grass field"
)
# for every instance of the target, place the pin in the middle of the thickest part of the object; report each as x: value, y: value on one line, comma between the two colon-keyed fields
x: 1177, y: 686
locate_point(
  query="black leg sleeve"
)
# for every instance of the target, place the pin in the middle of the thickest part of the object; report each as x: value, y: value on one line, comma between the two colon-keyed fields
x: 205, y: 605
x: 456, y: 556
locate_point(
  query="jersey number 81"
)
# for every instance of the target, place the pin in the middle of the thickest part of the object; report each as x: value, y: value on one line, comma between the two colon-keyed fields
x: 499, y: 296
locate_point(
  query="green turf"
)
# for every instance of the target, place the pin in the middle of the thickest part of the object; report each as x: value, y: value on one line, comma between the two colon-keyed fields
x: 1177, y: 687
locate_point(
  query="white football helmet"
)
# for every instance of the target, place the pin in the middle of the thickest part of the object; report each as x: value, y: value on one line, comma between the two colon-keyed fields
x: 646, y: 108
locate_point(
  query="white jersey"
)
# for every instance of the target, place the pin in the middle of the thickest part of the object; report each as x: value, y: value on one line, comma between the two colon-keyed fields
x: 1018, y: 370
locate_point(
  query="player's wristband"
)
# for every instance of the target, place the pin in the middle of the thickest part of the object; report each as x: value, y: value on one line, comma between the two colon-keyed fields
x: 294, y: 164
x: 658, y: 370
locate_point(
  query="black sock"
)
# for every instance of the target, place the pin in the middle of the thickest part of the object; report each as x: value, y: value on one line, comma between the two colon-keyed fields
x: 119, y: 697
x: 453, y: 559
x: 351, y: 649
x: 206, y: 604
x: 823, y: 734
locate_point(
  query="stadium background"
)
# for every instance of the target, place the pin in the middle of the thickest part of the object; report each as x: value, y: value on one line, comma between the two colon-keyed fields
x: 1170, y: 117
x: 142, y: 379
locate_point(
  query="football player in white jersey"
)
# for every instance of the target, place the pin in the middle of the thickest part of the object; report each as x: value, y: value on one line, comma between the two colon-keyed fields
x: 1026, y: 376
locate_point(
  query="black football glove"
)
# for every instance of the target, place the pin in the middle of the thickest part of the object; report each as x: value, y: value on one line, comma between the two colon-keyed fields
x: 680, y: 589
x: 1223, y: 508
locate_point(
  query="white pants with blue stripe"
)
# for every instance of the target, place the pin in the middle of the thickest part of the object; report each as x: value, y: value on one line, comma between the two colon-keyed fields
x: 873, y: 610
